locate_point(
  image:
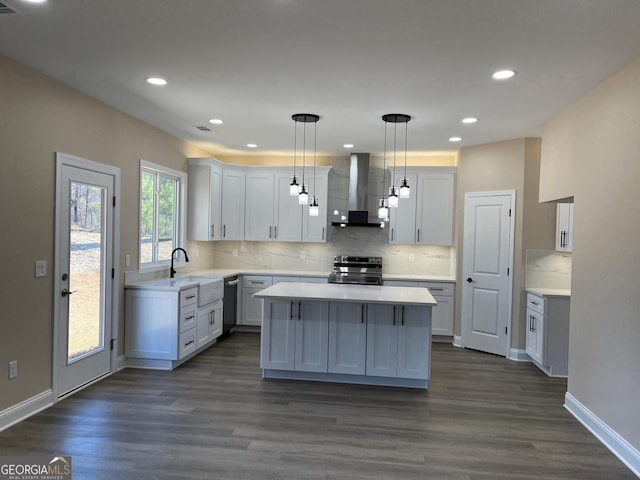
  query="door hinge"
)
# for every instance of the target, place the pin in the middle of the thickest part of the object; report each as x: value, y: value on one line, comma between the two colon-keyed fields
x: 114, y: 201
x: 113, y: 273
x: 112, y: 343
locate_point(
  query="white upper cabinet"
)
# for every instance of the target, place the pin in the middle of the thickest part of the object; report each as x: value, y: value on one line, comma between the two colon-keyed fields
x: 204, y: 205
x: 564, y: 227
x: 314, y: 229
x: 427, y: 216
x: 233, y: 197
x: 259, y: 206
x: 402, y: 220
x: 274, y: 215
x: 434, y: 214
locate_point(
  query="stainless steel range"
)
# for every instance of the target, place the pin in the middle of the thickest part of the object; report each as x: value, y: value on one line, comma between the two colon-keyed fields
x: 356, y: 270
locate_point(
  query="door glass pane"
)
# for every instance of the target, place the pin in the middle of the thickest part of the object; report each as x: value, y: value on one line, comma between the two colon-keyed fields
x: 86, y: 259
x: 146, y: 217
x: 166, y: 217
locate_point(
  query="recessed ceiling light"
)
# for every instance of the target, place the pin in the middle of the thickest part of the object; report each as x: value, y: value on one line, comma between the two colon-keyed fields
x: 455, y: 139
x: 34, y: 1
x: 348, y: 145
x: 503, y: 74
x: 156, y: 81
x: 216, y: 121
x: 252, y: 145
x: 469, y: 120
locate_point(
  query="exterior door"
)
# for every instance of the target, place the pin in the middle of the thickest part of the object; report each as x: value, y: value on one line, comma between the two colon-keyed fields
x: 486, y: 271
x: 83, y: 272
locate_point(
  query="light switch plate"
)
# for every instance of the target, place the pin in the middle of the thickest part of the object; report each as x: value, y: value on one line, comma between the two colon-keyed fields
x: 41, y: 268
x: 13, y: 369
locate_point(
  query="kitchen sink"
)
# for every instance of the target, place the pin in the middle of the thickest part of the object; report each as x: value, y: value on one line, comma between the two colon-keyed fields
x: 210, y: 289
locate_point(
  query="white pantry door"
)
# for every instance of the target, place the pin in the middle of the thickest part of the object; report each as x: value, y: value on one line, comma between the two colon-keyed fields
x: 84, y: 275
x: 486, y: 271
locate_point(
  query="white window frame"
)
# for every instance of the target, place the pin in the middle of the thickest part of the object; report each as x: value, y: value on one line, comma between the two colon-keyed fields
x: 181, y: 196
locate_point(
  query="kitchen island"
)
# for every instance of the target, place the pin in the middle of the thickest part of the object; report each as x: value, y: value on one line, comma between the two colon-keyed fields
x: 346, y: 333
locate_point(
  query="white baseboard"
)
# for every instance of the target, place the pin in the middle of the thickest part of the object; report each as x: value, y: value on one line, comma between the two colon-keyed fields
x: 622, y: 449
x: 518, y: 355
x: 121, y: 363
x: 457, y: 341
x: 25, y: 409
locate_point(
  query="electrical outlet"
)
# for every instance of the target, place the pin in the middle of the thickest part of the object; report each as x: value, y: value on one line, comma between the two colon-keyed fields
x: 302, y: 254
x: 41, y: 268
x: 412, y: 257
x: 13, y: 369
x: 235, y: 252
x: 127, y: 260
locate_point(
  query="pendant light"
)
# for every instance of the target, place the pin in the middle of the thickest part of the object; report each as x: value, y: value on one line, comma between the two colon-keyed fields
x: 404, y: 190
x: 294, y: 188
x: 314, y: 208
x: 383, y: 203
x: 304, y: 118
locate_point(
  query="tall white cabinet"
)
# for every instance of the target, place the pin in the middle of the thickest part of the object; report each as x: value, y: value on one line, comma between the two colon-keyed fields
x: 426, y: 217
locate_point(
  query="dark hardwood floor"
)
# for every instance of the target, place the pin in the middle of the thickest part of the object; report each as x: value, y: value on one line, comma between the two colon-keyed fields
x: 483, y: 418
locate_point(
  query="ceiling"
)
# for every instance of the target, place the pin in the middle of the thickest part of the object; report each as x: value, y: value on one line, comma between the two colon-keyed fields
x: 254, y: 63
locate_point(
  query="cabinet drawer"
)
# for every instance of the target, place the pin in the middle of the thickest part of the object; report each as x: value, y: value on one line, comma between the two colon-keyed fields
x: 536, y: 303
x: 257, y: 281
x: 188, y: 318
x: 186, y: 343
x: 442, y: 289
x: 188, y: 296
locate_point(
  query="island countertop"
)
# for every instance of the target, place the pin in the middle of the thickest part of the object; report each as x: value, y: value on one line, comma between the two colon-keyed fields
x: 349, y: 293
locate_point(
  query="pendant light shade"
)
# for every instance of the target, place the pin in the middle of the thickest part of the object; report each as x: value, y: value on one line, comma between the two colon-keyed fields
x: 303, y: 196
x: 314, y: 208
x: 405, y: 190
x: 393, y: 197
x: 301, y: 190
x: 383, y: 209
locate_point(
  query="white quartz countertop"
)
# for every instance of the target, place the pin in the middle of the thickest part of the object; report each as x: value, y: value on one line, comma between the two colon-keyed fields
x: 549, y: 292
x: 349, y: 293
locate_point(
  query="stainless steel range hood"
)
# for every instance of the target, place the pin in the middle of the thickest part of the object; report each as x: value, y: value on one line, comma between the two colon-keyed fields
x: 358, y: 215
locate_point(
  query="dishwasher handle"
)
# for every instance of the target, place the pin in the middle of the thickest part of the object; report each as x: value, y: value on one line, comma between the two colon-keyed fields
x: 231, y: 283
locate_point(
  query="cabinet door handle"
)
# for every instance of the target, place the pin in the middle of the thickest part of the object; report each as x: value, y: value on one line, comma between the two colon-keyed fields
x: 224, y: 231
x: 275, y: 232
x: 364, y: 310
x: 418, y: 235
x: 189, y: 297
x: 436, y: 289
x: 299, y: 311
x: 402, y: 316
x: 270, y: 231
x: 394, y: 315
x: 256, y: 282
x: 213, y: 231
x: 392, y: 234
x: 323, y: 232
x: 291, y: 312
x: 189, y: 318
x: 189, y: 343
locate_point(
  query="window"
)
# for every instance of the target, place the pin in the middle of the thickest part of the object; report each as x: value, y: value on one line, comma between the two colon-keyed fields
x: 162, y: 213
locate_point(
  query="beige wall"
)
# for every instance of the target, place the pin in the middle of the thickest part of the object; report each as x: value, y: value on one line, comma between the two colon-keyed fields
x: 597, y: 142
x: 509, y: 165
x: 40, y: 117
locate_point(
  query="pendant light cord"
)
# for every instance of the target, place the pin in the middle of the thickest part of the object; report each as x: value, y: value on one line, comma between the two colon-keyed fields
x: 395, y: 136
x: 384, y: 160
x: 304, y: 150
x: 315, y: 144
x: 295, y: 146
x: 405, y: 149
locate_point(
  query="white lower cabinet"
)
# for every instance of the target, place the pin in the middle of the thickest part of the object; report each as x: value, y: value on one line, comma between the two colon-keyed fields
x: 398, y: 341
x: 209, y: 325
x: 548, y: 333
x: 347, y: 338
x: 442, y: 314
x: 251, y: 308
x: 295, y: 336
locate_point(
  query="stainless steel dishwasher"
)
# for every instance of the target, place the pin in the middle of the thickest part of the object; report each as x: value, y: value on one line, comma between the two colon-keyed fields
x: 230, y: 304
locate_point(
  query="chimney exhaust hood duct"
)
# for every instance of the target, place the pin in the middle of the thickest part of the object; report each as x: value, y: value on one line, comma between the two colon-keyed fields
x: 358, y: 215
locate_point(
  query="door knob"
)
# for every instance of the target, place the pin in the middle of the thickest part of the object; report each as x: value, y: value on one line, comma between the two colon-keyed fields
x: 66, y: 292
x: 469, y: 279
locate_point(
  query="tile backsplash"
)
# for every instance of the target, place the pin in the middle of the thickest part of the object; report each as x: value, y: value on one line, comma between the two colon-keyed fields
x: 548, y: 269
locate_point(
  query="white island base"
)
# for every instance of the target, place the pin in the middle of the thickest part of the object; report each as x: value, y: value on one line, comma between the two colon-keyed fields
x: 358, y: 334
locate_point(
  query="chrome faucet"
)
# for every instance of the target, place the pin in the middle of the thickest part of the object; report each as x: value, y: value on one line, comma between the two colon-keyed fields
x: 172, y: 272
